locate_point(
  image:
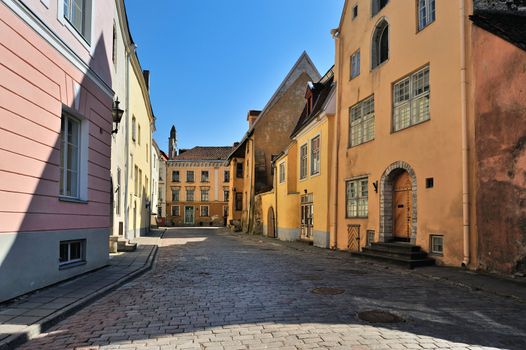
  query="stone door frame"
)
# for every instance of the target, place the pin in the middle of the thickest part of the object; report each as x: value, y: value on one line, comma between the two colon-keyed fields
x: 386, y: 200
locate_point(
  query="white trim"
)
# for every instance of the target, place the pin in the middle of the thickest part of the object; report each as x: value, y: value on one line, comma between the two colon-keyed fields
x: 54, y: 40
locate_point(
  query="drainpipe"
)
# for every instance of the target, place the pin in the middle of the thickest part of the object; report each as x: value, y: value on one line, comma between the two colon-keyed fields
x: 465, y: 147
x: 333, y: 229
x: 126, y: 143
x: 275, y: 186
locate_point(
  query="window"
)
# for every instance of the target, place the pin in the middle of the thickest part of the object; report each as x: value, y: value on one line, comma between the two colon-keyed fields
x: 147, y: 149
x: 190, y: 176
x: 239, y: 201
x: 380, y: 44
x: 315, y: 156
x: 175, y: 176
x: 139, y: 193
x: 136, y: 180
x: 114, y: 45
x: 190, y: 194
x: 426, y: 13
x: 205, y: 195
x: 134, y: 131
x: 303, y: 161
x: 226, y: 176
x: 239, y: 170
x: 72, y: 252
x: 78, y: 14
x: 357, y: 196
x: 430, y: 182
x: 377, y: 5
x: 176, y: 210
x: 355, y: 11
x: 282, y: 172
x: 204, y: 210
x: 226, y: 195
x: 205, y: 176
x: 69, y: 156
x: 138, y: 134
x: 370, y: 237
x: 437, y: 244
x: 411, y: 100
x: 361, y: 122
x: 175, y: 195
x: 355, y: 64
x: 118, y: 193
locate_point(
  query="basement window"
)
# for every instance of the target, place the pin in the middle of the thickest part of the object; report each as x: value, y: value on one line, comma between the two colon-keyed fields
x: 72, y: 253
x: 437, y: 244
x: 430, y: 182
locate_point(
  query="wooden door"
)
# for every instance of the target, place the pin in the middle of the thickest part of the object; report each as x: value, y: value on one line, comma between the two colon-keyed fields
x: 271, y: 232
x: 402, y: 207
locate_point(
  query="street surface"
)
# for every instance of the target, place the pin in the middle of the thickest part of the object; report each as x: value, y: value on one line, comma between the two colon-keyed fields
x: 214, y: 290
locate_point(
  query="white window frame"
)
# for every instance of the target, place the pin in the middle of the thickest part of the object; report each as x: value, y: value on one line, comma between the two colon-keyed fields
x: 188, y: 191
x: 432, y: 244
x: 178, y: 177
x: 304, y: 161
x: 357, y: 205
x: 175, y: 210
x: 282, y: 175
x: 205, y: 195
x: 176, y: 195
x: 64, y: 149
x: 188, y: 172
x: 134, y: 130
x: 70, y: 261
x: 118, y: 193
x: 362, y: 122
x: 205, y: 178
x: 207, y: 211
x: 315, y: 158
x: 85, y: 36
x: 426, y: 13
x: 355, y: 64
x: 410, y: 96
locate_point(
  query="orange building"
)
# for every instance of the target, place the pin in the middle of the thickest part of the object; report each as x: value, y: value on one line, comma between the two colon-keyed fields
x: 197, y: 191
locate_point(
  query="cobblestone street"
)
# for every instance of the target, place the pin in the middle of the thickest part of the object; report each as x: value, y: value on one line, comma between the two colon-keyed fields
x: 215, y: 290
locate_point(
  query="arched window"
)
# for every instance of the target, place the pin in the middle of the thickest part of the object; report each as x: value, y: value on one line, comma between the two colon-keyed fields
x: 380, y: 44
x: 377, y: 5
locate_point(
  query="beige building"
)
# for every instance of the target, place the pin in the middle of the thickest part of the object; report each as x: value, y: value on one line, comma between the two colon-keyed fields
x: 197, y: 187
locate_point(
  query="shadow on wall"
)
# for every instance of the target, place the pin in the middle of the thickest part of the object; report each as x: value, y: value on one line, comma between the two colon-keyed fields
x: 35, y: 220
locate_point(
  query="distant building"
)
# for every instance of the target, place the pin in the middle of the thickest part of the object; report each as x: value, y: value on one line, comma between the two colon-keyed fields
x: 197, y: 191
x: 161, y: 204
x: 268, y: 135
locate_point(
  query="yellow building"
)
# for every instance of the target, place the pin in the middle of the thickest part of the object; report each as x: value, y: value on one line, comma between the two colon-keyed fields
x: 138, y: 205
x: 401, y: 160
x: 298, y: 206
x: 197, y: 187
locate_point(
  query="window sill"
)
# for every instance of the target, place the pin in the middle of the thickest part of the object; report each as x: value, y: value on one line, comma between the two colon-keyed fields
x: 373, y: 69
x: 360, y: 144
x: 436, y: 254
x: 356, y: 217
x: 419, y: 30
x: 67, y: 266
x: 72, y: 200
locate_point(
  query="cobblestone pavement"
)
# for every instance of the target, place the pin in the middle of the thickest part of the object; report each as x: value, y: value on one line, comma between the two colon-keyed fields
x: 214, y: 290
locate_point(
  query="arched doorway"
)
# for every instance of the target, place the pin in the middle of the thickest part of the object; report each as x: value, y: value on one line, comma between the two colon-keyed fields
x: 271, y: 227
x: 398, y: 198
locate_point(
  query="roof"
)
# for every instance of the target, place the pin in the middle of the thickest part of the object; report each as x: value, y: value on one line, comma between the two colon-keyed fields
x: 320, y: 93
x: 509, y: 25
x: 303, y: 64
x: 205, y: 153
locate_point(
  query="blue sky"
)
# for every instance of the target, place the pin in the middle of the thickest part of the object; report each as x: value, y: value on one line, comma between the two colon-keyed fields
x: 213, y: 60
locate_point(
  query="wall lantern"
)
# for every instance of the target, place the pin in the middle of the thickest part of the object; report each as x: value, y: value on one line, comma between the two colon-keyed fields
x: 116, y: 114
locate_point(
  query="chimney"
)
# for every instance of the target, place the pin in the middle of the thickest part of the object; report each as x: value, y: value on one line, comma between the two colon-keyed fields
x: 252, y: 116
x: 146, y: 74
x: 236, y: 144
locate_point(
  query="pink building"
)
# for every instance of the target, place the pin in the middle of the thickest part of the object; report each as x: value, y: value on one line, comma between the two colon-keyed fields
x: 55, y: 129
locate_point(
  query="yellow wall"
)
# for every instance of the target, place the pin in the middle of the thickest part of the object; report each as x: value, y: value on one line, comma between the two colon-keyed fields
x: 139, y: 153
x: 432, y: 148
x: 237, y: 184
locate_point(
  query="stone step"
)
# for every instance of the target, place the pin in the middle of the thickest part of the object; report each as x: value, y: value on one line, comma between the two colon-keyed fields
x: 402, y: 254
x: 126, y: 246
x: 409, y: 263
x: 396, y: 246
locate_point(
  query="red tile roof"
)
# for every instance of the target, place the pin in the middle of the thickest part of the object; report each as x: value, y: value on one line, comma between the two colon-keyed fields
x: 205, y: 153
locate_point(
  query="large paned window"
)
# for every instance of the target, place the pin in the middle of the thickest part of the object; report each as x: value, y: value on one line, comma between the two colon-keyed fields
x: 411, y: 100
x: 304, y: 161
x: 205, y: 210
x: 190, y: 194
x: 69, y: 156
x: 239, y: 201
x: 380, y: 44
x: 315, y: 156
x: 78, y: 14
x: 226, y: 176
x: 355, y: 64
x: 175, y: 195
x: 205, y: 195
x: 361, y: 121
x: 176, y: 210
x: 134, y: 129
x: 205, y: 176
x: 239, y: 170
x: 175, y: 176
x: 426, y: 13
x: 190, y: 176
x: 282, y: 172
x: 377, y: 5
x: 357, y: 194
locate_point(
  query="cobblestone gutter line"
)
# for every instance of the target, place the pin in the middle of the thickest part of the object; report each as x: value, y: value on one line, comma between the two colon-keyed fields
x: 44, y: 324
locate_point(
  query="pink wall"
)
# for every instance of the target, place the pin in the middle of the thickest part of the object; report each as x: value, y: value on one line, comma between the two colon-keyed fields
x: 35, y: 80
